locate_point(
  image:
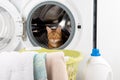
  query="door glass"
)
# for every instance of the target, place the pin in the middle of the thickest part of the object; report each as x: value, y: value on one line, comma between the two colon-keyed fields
x: 51, y: 26
x: 6, y: 28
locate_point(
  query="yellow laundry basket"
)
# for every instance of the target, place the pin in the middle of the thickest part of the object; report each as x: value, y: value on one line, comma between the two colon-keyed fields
x: 72, y: 64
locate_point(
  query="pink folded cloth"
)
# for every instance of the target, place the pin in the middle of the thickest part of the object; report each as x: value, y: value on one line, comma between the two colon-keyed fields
x: 56, y: 67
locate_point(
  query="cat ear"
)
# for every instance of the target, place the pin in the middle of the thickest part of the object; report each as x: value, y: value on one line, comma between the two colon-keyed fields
x: 58, y: 29
x: 48, y: 29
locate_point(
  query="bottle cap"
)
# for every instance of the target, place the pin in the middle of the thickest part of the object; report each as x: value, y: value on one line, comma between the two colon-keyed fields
x: 95, y: 52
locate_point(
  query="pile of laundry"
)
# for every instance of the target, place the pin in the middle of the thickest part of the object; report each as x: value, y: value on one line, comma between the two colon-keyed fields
x: 32, y: 66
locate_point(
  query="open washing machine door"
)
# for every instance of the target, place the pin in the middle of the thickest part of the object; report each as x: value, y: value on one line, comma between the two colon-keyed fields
x: 44, y: 16
x: 10, y: 26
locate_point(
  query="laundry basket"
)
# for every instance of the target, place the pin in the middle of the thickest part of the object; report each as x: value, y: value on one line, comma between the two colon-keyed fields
x: 72, y: 63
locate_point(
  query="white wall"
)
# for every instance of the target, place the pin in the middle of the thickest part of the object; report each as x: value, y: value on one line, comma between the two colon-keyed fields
x: 108, y: 32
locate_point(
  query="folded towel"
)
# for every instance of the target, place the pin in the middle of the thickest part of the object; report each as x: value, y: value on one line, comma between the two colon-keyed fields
x: 40, y: 67
x: 16, y: 66
x: 56, y: 67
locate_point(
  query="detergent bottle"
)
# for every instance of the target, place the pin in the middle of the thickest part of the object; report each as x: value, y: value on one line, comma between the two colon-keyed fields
x: 97, y: 68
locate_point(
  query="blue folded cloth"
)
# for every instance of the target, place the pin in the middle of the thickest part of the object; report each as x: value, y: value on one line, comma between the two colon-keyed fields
x: 40, y: 72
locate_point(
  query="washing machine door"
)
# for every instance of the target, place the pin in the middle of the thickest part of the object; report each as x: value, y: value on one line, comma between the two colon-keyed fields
x: 10, y: 26
x: 43, y: 17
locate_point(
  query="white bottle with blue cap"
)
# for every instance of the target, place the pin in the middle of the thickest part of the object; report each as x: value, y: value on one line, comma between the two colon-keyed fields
x: 97, y: 68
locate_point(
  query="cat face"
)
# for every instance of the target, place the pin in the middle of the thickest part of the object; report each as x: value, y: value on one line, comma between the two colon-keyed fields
x: 54, y: 36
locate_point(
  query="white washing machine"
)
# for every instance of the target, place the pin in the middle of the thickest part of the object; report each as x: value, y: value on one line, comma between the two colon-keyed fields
x: 16, y: 18
x: 26, y: 23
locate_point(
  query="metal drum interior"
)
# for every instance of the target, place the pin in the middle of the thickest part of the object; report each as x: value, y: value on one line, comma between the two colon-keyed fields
x: 53, y: 15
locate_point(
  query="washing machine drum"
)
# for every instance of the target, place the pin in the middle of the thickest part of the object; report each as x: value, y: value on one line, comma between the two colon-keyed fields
x: 50, y: 13
x: 50, y: 26
x: 10, y: 27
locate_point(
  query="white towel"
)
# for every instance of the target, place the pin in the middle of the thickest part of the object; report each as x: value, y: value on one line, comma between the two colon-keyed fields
x: 16, y: 66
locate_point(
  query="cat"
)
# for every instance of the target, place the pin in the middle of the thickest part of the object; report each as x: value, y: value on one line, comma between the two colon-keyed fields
x: 54, y: 37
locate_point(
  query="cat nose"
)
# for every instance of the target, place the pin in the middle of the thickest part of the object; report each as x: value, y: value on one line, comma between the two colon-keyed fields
x: 53, y: 38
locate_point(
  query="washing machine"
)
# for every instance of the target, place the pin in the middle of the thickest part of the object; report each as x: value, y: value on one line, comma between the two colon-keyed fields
x: 27, y: 25
x: 21, y: 25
